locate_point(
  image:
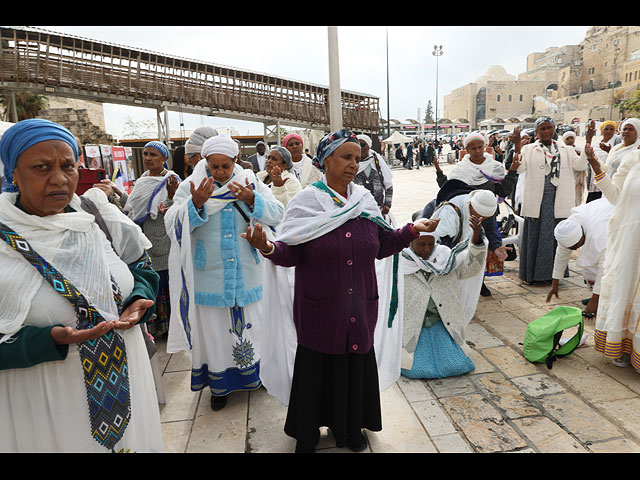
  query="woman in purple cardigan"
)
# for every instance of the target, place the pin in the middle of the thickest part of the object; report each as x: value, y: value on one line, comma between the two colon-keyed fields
x: 332, y: 233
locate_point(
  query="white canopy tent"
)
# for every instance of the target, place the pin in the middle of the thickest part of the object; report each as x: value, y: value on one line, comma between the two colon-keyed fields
x: 397, y: 137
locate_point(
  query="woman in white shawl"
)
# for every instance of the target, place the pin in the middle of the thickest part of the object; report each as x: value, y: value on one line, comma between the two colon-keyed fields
x: 277, y: 175
x: 216, y: 277
x: 303, y: 167
x: 152, y: 194
x: 64, y: 317
x: 601, y: 150
x: 618, y: 316
x: 434, y: 328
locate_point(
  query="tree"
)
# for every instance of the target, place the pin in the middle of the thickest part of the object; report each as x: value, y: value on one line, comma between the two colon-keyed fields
x: 28, y: 105
x: 631, y: 106
x: 137, y: 129
x: 428, y: 114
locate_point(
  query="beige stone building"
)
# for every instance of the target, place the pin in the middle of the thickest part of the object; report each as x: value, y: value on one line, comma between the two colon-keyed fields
x: 572, y: 83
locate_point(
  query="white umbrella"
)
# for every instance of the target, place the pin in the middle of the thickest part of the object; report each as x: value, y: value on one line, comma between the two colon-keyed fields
x: 397, y: 137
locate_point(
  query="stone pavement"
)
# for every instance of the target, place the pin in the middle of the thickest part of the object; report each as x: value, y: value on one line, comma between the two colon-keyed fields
x: 583, y: 404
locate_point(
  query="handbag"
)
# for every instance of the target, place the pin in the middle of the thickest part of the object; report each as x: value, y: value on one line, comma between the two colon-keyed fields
x: 542, y: 337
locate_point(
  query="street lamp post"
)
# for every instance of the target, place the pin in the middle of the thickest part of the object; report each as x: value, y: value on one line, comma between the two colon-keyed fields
x: 437, y: 52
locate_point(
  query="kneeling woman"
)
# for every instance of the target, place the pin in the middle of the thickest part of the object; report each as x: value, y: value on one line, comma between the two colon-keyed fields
x: 216, y: 277
x: 332, y: 234
x: 434, y: 327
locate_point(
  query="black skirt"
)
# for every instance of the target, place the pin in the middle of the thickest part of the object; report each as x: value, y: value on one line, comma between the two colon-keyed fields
x: 336, y: 391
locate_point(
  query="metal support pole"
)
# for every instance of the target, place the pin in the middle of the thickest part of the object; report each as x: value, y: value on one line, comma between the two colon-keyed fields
x: 335, y: 98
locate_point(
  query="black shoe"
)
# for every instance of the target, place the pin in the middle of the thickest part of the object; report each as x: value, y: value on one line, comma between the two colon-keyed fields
x: 359, y: 447
x: 218, y: 403
x: 484, y: 291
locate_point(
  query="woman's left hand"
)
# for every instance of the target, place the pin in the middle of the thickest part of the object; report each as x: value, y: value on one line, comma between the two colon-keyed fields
x: 502, y: 252
x: 426, y: 225
x: 133, y: 314
x: 244, y: 193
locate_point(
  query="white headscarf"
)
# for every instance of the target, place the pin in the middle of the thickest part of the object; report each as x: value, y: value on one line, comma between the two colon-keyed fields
x: 618, y: 152
x: 220, y: 144
x: 568, y: 232
x: 483, y: 202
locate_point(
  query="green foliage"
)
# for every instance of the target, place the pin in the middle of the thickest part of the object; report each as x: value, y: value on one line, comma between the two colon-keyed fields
x: 631, y: 106
x: 28, y: 105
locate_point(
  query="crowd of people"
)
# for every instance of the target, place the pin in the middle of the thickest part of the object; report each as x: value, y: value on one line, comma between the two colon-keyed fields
x: 287, y: 272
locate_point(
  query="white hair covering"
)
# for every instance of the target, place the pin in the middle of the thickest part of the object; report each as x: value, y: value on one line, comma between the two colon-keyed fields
x: 197, y: 139
x: 366, y: 138
x: 568, y: 133
x: 568, y: 233
x: 220, y: 144
x: 474, y: 136
x: 483, y: 202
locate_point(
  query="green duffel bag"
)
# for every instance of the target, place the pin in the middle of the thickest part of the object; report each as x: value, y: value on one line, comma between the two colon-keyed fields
x: 542, y: 338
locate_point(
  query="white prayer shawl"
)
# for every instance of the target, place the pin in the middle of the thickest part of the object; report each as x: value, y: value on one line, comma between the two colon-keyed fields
x: 73, y: 243
x: 490, y: 170
x: 616, y: 154
x: 305, y: 171
x: 369, y: 162
x: 181, y: 277
x: 311, y: 214
x: 619, y: 305
x: 149, y: 191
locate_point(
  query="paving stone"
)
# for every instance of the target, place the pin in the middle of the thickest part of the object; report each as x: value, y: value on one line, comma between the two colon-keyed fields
x: 478, y: 337
x: 538, y: 385
x: 452, y: 386
x: 621, y: 445
x: 180, y: 402
x: 582, y: 420
x: 589, y: 380
x: 482, y: 364
x: 402, y: 432
x: 414, y: 389
x: 547, y: 436
x: 433, y: 417
x: 223, y: 431
x: 508, y: 361
x: 451, y: 443
x: 483, y: 426
x: 626, y: 413
x: 175, y: 436
x: 505, y: 396
x: 265, y: 414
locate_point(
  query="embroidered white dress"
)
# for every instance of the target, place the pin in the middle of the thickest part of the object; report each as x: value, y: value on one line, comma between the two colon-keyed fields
x: 44, y: 408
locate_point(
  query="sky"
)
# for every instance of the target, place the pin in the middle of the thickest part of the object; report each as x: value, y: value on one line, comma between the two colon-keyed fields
x: 301, y: 53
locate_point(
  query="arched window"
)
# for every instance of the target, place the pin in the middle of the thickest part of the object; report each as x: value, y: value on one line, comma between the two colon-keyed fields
x: 498, y: 98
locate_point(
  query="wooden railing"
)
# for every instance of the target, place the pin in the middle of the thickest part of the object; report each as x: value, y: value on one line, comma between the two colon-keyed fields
x: 48, y: 61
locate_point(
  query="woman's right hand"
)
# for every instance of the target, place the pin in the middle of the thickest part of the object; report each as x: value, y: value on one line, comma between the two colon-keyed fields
x: 592, y: 159
x: 68, y: 335
x: 591, y: 131
x: 200, y: 195
x: 258, y: 238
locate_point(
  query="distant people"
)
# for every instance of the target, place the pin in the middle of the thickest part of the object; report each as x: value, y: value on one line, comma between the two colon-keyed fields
x: 375, y: 175
x: 434, y: 328
x: 601, y: 150
x: 569, y: 139
x: 630, y: 141
x: 410, y: 156
x: 430, y: 153
x: 400, y: 156
x: 303, y: 167
x: 547, y: 198
x: 259, y: 159
x: 147, y: 204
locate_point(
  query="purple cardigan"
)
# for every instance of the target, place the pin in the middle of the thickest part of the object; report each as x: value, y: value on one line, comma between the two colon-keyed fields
x: 335, y: 305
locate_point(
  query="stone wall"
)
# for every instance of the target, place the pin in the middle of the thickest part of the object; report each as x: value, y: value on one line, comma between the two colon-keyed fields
x: 79, y: 123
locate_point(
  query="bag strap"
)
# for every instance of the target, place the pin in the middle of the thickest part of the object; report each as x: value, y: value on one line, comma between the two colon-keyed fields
x: 562, y: 351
